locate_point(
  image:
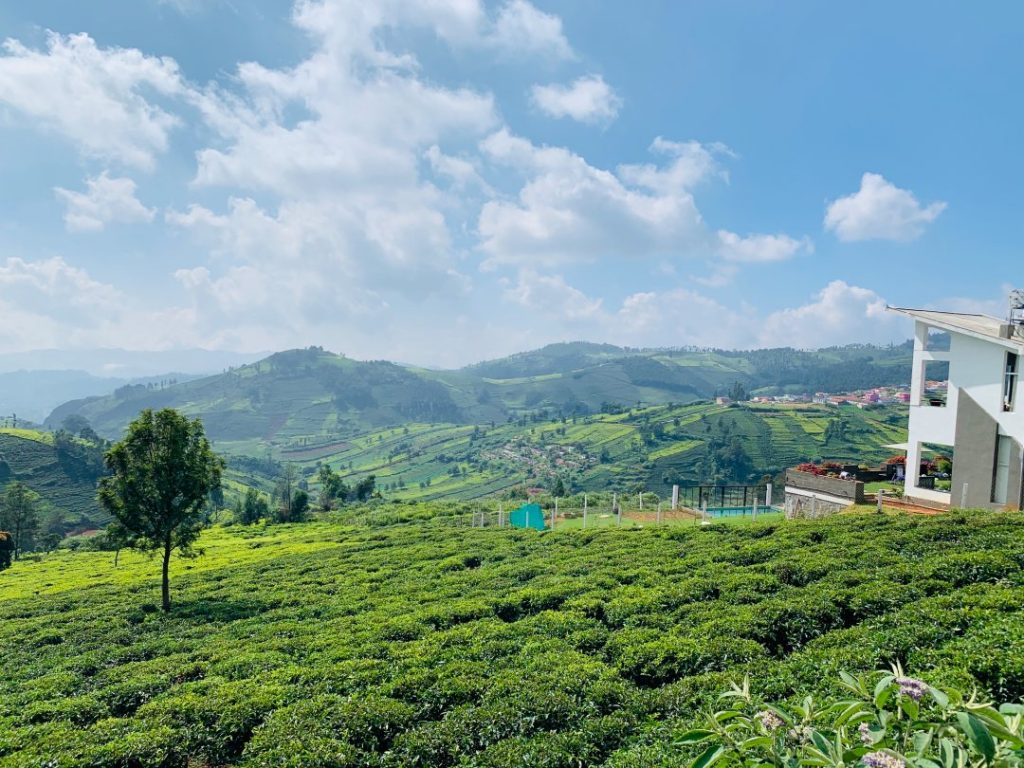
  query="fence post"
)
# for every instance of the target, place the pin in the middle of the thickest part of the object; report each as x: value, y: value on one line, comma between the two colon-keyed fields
x: 501, y: 516
x: 659, y: 513
x: 754, y: 514
x: 554, y: 514
x: 768, y: 496
x: 584, y: 511
x: 617, y: 509
x: 641, y: 495
x: 704, y: 511
x: 675, y: 497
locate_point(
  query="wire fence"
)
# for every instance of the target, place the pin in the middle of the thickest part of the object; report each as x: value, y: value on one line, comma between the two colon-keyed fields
x: 691, y: 505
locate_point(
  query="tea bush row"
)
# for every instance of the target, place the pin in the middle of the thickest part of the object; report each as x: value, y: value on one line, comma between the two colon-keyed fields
x: 335, y: 645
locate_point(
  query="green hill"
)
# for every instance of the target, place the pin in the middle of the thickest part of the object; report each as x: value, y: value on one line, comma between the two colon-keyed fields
x: 650, y: 447
x: 598, y: 416
x: 426, y: 645
x: 65, y: 482
x: 315, y: 394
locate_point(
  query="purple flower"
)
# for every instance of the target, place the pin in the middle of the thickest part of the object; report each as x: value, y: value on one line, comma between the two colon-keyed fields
x: 915, y: 689
x: 769, y: 720
x: 882, y: 760
x: 865, y: 733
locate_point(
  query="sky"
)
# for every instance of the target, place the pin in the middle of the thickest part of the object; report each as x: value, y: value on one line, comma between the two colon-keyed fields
x: 443, y: 181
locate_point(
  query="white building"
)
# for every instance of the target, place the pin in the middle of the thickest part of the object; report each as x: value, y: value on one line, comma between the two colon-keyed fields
x: 973, y: 414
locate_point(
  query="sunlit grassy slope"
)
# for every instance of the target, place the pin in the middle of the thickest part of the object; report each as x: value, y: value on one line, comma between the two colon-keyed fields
x: 424, y: 645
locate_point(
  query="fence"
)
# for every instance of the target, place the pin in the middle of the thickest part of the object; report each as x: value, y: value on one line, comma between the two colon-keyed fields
x: 693, y: 504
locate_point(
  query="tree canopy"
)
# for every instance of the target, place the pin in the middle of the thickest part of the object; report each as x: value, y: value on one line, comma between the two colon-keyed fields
x: 161, y: 475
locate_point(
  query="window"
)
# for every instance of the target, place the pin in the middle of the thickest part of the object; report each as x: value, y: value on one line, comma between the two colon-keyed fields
x: 1010, y: 380
x: 1001, y: 472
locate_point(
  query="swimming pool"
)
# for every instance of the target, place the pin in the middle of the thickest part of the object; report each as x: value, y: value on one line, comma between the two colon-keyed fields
x: 736, y: 511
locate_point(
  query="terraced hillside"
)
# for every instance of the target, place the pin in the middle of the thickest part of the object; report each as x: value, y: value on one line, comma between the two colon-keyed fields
x: 66, y: 488
x: 425, y: 645
x: 649, y: 447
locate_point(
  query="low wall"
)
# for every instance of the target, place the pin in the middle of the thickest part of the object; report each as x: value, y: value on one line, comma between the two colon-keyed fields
x: 832, y: 486
x: 810, y: 496
x: 806, y: 505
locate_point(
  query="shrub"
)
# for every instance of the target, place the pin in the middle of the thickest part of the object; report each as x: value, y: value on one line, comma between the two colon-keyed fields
x: 887, y: 720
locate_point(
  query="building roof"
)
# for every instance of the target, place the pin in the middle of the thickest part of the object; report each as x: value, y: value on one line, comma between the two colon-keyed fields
x: 980, y: 326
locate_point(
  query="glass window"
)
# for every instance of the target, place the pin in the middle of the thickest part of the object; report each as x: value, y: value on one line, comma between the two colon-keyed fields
x: 1010, y: 381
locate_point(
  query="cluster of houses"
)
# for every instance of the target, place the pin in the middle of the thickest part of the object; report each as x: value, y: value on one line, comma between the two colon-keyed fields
x: 865, y: 398
x: 861, y: 398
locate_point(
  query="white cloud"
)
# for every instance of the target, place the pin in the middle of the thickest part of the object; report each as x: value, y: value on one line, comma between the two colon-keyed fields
x: 839, y: 313
x: 588, y: 100
x: 51, y: 304
x: 569, y: 211
x: 105, y: 200
x: 879, y: 210
x: 552, y: 295
x: 524, y: 30
x: 93, y: 96
x: 760, y: 248
x: 691, y: 163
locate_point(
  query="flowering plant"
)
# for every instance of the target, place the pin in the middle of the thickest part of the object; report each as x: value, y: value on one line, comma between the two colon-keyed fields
x: 890, y: 721
x: 814, y: 469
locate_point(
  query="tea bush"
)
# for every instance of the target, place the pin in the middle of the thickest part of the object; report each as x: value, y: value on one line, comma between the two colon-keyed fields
x: 413, y: 644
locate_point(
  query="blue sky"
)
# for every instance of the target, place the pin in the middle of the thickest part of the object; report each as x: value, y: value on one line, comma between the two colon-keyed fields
x: 440, y: 181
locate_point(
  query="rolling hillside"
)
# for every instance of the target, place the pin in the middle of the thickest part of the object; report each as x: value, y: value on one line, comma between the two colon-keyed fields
x: 321, y: 396
x: 67, y: 487
x: 596, y: 416
x: 649, y: 447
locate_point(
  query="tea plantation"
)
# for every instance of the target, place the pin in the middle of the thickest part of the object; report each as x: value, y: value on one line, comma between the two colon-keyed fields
x: 419, y: 644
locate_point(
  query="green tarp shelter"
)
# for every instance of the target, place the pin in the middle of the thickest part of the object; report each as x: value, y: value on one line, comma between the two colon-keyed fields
x: 527, y: 516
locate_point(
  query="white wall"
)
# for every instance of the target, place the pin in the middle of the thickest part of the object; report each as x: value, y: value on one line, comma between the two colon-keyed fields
x: 976, y: 367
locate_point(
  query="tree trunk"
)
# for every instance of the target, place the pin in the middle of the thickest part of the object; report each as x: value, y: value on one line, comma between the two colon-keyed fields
x: 166, y: 585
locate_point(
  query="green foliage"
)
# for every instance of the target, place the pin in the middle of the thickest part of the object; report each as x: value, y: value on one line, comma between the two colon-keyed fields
x: 413, y: 642
x: 885, y: 720
x: 253, y: 508
x: 62, y: 472
x: 19, y: 515
x: 161, y: 475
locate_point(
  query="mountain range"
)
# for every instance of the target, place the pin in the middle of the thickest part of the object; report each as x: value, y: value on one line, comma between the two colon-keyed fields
x: 311, y: 394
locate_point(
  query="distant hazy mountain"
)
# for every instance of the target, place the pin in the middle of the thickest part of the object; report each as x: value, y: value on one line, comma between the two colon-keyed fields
x: 315, y: 394
x: 125, y: 364
x: 32, y: 384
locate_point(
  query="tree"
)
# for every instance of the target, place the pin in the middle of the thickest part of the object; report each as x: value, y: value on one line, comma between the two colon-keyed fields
x: 332, y: 488
x: 19, y: 516
x: 284, y: 492
x: 161, y: 475
x: 253, y: 508
x: 300, y: 506
x: 364, y: 488
x: 558, y: 487
x: 737, y: 392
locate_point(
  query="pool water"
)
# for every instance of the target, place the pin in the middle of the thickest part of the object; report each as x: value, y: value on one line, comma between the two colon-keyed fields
x: 736, y: 511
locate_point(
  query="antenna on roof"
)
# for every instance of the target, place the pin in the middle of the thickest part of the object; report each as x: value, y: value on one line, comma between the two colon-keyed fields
x: 1016, y: 313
